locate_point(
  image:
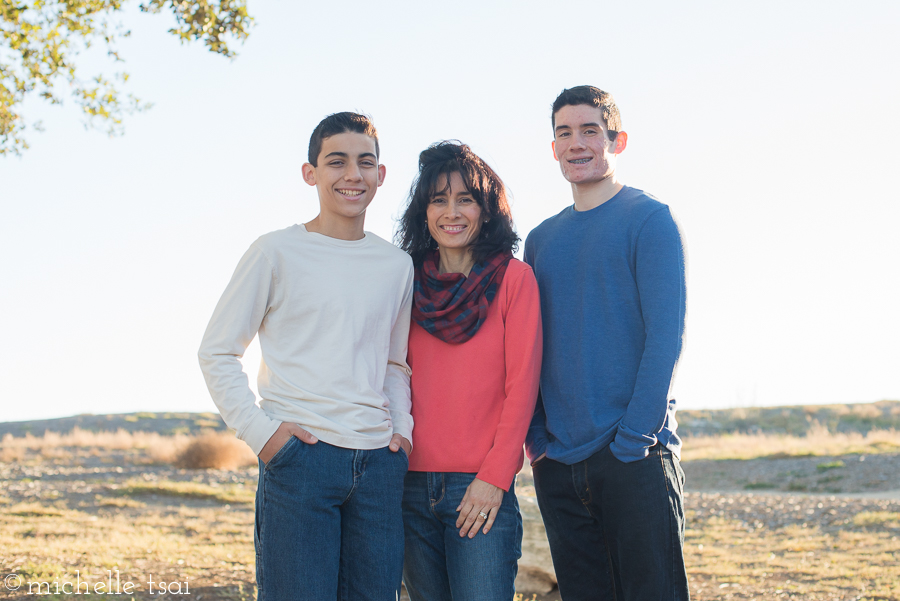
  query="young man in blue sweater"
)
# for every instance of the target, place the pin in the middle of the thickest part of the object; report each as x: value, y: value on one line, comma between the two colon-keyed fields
x: 610, y: 270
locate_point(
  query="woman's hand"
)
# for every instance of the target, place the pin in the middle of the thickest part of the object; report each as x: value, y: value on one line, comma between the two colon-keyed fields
x: 480, y: 498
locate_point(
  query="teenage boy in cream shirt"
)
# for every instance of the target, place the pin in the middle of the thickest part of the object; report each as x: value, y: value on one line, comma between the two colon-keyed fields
x: 331, y: 305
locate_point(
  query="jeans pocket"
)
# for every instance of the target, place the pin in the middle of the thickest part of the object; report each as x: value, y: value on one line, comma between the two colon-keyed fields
x: 282, y: 452
x: 402, y: 452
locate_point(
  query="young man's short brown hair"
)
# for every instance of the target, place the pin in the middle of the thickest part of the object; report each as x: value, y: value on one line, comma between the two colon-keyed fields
x: 590, y: 96
x: 339, y: 123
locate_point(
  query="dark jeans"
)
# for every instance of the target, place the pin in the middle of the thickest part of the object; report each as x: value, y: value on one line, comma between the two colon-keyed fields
x: 329, y: 524
x: 616, y: 529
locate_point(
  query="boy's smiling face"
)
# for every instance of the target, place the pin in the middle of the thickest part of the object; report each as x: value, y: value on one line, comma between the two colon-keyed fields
x: 585, y: 153
x: 347, y: 174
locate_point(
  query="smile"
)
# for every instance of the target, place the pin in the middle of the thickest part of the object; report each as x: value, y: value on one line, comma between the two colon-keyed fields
x: 580, y: 161
x: 453, y: 228
x: 350, y: 193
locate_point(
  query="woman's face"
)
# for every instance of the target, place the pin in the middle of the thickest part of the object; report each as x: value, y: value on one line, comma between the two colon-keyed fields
x: 454, y: 217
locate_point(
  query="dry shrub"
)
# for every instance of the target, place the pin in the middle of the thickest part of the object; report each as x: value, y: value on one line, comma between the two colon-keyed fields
x: 10, y: 455
x: 168, y: 448
x: 218, y: 450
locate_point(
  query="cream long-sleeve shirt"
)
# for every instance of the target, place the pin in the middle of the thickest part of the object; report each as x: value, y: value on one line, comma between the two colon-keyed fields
x: 333, y: 322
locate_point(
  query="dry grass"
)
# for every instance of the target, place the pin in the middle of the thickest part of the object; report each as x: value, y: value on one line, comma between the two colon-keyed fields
x: 211, y: 548
x: 733, y: 558
x: 888, y: 519
x: 195, y: 490
x: 120, y: 439
x: 218, y: 450
x: 818, y: 441
x: 118, y: 502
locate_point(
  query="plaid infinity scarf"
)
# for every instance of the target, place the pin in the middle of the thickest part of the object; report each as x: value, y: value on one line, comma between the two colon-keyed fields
x: 452, y: 306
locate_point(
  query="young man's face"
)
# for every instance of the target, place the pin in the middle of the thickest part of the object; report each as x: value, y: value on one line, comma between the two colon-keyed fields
x: 347, y: 175
x: 581, y: 145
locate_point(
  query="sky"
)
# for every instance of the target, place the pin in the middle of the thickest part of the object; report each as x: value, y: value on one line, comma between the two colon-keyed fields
x: 767, y: 127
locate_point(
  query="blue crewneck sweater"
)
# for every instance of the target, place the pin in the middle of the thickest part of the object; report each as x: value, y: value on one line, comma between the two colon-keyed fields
x: 612, y: 290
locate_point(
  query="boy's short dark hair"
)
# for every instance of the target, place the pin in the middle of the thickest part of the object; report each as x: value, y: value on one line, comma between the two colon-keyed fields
x: 339, y: 123
x: 593, y: 97
x: 436, y: 165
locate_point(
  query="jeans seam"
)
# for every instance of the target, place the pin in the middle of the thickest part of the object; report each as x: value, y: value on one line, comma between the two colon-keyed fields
x: 612, y: 572
x: 260, y: 531
x: 672, y: 536
x: 356, y: 477
x: 342, y: 579
x: 587, y: 489
x: 435, y: 503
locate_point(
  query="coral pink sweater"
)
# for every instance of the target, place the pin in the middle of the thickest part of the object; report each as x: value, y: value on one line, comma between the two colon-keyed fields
x: 472, y: 402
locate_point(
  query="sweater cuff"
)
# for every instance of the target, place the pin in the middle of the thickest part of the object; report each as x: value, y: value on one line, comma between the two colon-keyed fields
x: 402, y: 424
x: 258, y: 432
x: 492, y: 477
x: 535, y: 444
x: 630, y: 445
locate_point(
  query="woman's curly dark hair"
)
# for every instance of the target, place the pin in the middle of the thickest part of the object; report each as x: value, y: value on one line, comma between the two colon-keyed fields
x: 436, y: 164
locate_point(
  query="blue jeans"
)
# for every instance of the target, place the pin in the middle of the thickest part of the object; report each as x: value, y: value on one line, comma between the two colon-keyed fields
x: 616, y: 530
x: 329, y: 523
x: 442, y: 566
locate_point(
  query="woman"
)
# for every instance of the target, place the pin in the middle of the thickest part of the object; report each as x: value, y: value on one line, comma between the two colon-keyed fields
x: 475, y: 351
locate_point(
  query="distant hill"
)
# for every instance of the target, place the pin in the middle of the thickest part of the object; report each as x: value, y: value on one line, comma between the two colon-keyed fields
x: 795, y: 419
x: 166, y: 423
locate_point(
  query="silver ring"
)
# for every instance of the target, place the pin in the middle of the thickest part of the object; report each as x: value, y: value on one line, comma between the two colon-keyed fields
x: 483, y: 515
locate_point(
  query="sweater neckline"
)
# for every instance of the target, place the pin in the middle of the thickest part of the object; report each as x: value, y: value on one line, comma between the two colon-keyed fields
x: 323, y: 239
x: 625, y: 191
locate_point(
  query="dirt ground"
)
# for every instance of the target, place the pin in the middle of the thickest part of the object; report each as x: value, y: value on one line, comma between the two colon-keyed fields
x: 848, y: 474
x: 757, y: 528
x: 773, y: 528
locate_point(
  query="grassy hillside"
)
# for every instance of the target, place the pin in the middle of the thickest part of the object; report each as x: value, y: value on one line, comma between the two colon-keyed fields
x: 166, y: 424
x: 794, y: 420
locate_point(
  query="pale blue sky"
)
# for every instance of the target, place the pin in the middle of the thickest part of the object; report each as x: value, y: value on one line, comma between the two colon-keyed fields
x: 768, y: 127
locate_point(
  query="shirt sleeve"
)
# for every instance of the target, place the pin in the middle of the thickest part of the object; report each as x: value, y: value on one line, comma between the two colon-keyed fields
x: 396, y: 378
x: 536, y: 439
x: 659, y: 271
x: 234, y: 323
x: 523, y: 341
